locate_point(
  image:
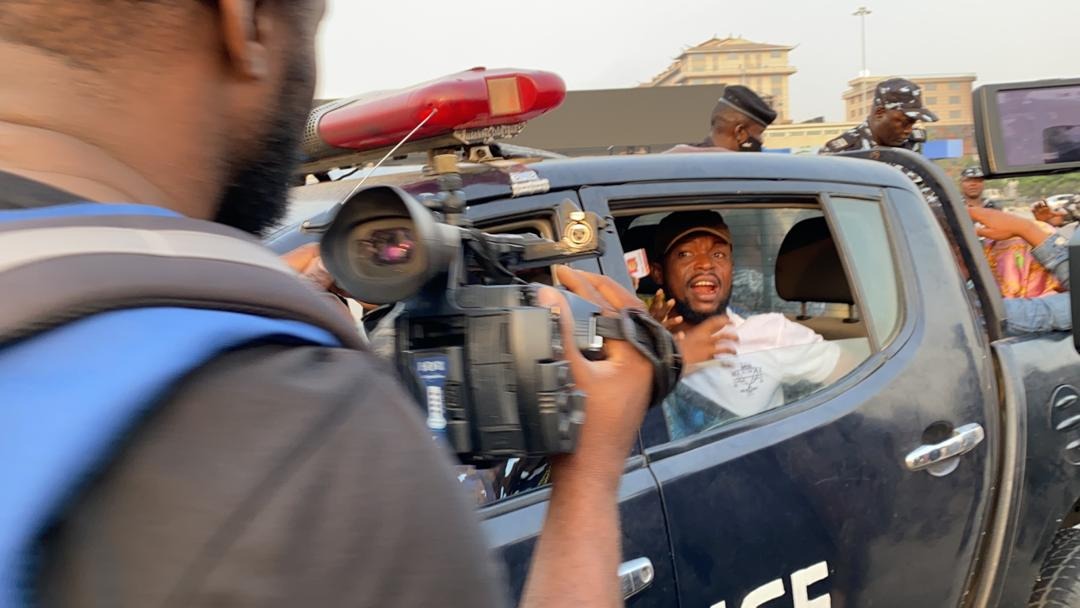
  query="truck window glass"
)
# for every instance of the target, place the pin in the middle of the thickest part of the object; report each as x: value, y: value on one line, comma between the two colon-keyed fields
x: 793, y: 308
x: 862, y: 228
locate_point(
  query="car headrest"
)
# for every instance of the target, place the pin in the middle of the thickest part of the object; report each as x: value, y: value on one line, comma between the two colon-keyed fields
x: 808, y: 267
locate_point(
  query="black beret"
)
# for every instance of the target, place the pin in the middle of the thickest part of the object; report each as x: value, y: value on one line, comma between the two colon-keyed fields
x: 745, y: 100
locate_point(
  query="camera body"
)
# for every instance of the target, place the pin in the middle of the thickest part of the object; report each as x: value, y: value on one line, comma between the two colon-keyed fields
x: 489, y: 369
x: 484, y: 356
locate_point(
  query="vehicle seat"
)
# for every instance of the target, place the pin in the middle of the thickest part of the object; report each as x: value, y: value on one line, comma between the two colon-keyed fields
x: 808, y: 269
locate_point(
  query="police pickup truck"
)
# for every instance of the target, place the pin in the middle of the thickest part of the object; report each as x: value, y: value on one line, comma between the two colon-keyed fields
x: 942, y: 468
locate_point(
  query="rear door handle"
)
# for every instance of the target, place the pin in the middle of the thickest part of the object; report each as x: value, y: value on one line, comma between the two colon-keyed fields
x: 939, y: 459
x: 635, y: 575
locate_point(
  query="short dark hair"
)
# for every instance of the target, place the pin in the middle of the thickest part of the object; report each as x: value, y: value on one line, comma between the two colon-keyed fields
x: 725, y: 114
x: 90, y: 33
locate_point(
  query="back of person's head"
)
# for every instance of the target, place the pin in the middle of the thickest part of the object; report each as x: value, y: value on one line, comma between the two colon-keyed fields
x: 739, y: 118
x: 205, y: 100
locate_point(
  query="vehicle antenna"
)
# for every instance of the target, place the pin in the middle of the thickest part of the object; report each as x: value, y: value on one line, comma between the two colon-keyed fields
x: 309, y: 226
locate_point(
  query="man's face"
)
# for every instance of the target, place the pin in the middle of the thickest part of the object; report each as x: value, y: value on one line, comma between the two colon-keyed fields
x: 891, y: 127
x: 696, y: 273
x: 973, y: 188
x: 256, y: 191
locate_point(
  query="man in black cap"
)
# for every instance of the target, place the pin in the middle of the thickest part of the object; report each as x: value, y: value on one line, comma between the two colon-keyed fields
x: 692, y: 261
x: 972, y: 185
x: 898, y: 105
x: 738, y: 122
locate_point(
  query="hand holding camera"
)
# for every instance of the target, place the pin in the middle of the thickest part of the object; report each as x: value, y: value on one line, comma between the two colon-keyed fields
x: 491, y: 363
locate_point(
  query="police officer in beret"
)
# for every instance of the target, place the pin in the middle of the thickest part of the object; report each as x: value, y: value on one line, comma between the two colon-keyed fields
x: 738, y: 122
x: 898, y: 105
x: 972, y: 185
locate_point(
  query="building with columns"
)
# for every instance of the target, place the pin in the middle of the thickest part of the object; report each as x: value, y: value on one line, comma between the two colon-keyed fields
x: 762, y: 67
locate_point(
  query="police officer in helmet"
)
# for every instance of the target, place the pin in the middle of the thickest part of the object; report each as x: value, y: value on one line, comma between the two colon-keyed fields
x: 898, y: 106
x: 972, y: 185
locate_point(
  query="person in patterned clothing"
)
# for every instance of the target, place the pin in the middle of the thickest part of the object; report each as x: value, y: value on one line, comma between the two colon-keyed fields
x: 898, y: 105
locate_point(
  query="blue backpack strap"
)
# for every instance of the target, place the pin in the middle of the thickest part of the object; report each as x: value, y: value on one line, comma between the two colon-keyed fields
x: 107, y: 308
x: 70, y: 261
x: 71, y: 395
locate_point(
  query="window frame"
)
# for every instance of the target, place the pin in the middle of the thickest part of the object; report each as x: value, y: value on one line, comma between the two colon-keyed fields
x: 651, y: 198
x: 847, y: 258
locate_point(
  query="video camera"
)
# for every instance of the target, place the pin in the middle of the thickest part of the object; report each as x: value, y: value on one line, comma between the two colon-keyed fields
x: 486, y: 358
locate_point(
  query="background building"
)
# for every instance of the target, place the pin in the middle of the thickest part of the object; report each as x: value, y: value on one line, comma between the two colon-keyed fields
x: 762, y: 67
x: 805, y: 137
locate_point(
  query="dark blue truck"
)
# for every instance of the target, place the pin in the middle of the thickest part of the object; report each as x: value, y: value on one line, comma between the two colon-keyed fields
x: 942, y: 468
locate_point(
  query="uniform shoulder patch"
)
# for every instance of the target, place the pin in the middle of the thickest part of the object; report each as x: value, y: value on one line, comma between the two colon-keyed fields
x: 839, y: 143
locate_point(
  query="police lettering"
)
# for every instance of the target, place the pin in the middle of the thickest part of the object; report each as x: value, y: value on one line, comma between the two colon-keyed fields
x: 800, y: 590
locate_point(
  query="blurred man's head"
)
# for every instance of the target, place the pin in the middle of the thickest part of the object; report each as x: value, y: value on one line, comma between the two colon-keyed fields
x: 201, y: 100
x: 897, y: 107
x: 972, y: 184
x: 739, y: 120
x: 691, y: 260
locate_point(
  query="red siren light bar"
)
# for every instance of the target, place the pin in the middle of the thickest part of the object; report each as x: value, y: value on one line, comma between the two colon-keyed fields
x: 474, y: 106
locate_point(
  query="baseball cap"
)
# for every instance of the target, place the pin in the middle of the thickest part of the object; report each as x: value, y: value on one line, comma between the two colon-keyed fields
x: 681, y: 224
x: 904, y: 95
x: 745, y: 100
x: 971, y: 173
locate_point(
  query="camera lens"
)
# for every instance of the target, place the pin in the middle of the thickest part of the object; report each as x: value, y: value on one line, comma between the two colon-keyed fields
x: 384, y: 246
x: 391, y: 247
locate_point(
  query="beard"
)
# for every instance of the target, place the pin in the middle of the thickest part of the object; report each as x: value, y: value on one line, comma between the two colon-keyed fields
x: 256, y: 193
x: 693, y: 317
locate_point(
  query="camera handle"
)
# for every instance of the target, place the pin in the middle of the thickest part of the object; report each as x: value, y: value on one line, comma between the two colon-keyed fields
x: 649, y: 338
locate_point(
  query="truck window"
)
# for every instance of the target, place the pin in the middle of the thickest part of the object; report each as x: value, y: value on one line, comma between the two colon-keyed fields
x: 862, y: 231
x: 805, y: 316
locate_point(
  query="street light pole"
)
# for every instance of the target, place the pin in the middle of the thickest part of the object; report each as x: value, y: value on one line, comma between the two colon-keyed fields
x: 861, y: 14
x: 865, y: 72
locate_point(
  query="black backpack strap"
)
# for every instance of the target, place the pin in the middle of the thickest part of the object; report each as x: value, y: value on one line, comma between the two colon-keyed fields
x: 58, y: 269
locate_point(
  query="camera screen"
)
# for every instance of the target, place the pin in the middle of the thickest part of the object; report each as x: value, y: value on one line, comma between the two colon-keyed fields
x: 391, y: 246
x: 1040, y: 126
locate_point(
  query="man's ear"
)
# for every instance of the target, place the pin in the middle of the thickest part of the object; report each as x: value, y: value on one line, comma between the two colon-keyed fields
x: 244, y: 29
x: 740, y: 133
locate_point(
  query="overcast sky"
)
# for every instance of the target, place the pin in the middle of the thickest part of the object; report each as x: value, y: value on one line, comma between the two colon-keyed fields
x: 595, y: 44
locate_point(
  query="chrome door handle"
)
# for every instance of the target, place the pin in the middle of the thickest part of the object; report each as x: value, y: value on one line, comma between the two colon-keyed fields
x: 938, y: 457
x: 635, y: 575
